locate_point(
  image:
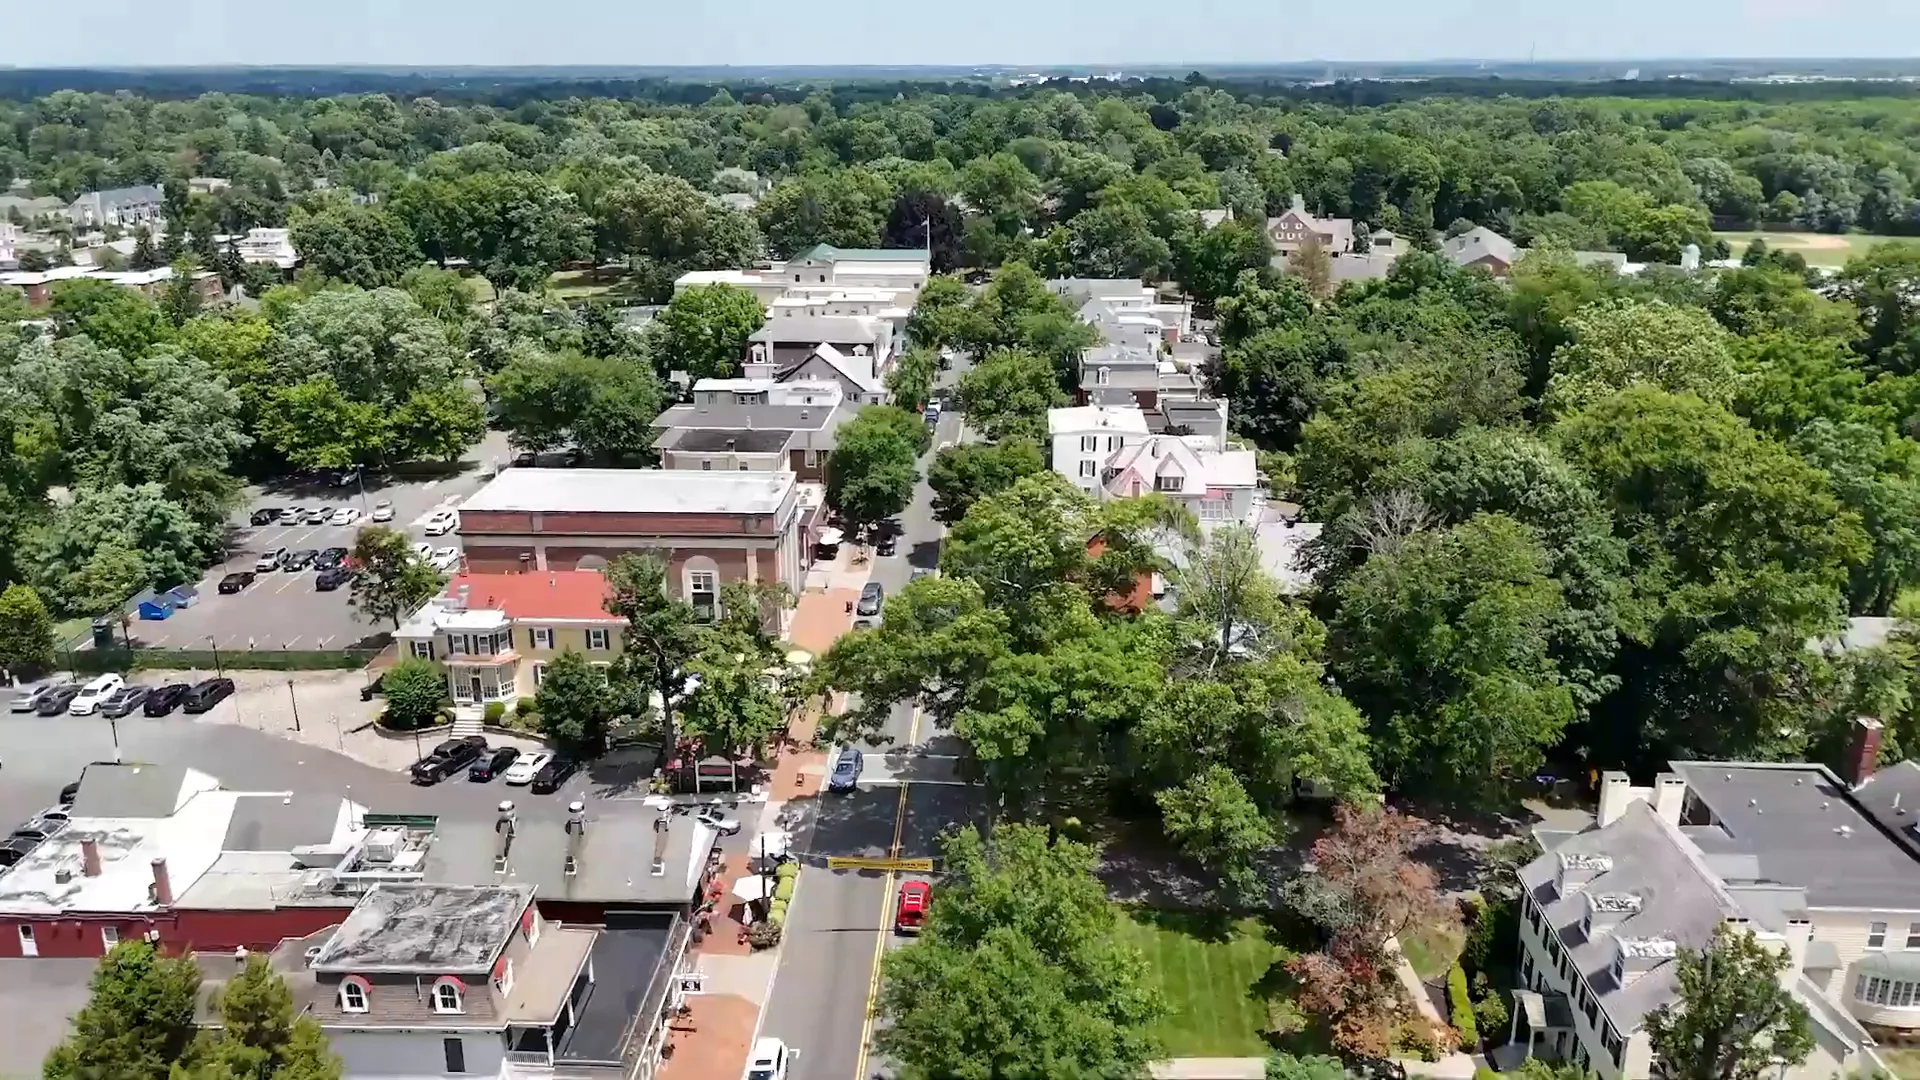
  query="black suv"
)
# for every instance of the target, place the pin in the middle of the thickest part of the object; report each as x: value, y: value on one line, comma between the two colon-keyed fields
x: 553, y: 774
x: 206, y: 695
x: 447, y: 758
x: 493, y: 764
x: 166, y: 699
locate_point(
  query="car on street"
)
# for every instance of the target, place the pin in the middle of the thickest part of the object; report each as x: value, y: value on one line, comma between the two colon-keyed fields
x: 444, y: 559
x: 56, y: 700
x: 38, y: 829
x: 125, y: 700
x: 270, y: 560
x: 492, y: 765
x: 332, y: 578
x: 423, y: 552
x: 383, y: 510
x: 910, y: 908
x: 889, y: 544
x: 872, y: 596
x: 770, y: 1060
x: 316, y: 515
x: 206, y: 694
x: 266, y: 515
x: 573, y: 459
x: 447, y: 758
x: 553, y: 774
x: 441, y: 522
x: 166, y: 699
x: 235, y: 582
x: 846, y: 770
x: 525, y: 459
x: 27, y: 703
x: 346, y: 515
x: 12, y: 851
x: 524, y: 770
x: 298, y: 560
x: 716, y: 819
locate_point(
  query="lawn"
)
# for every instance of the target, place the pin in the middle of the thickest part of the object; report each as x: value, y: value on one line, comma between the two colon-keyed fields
x: 1432, y: 948
x: 606, y: 282
x: 1209, y: 970
x: 1819, y: 249
x: 1904, y: 1063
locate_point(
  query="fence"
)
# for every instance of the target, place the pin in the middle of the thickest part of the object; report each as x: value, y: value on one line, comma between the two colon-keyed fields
x: 97, y: 661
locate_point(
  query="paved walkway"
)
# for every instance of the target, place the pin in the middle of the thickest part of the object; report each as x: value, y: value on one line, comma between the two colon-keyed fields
x: 1251, y: 1068
x: 1454, y: 1066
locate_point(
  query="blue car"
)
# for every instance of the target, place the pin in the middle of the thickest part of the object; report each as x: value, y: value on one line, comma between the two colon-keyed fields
x: 846, y: 770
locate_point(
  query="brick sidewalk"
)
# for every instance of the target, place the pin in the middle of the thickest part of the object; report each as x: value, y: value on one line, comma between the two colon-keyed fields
x: 712, y: 1040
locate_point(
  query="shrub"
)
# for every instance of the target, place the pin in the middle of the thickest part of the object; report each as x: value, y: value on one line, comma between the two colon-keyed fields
x: 778, y: 910
x: 786, y: 871
x: 1493, y: 934
x: 523, y: 707
x: 763, y: 935
x: 1484, y: 1073
x: 416, y: 690
x: 1460, y: 1007
x: 1491, y: 1015
x: 494, y: 713
x: 1418, y: 1037
x: 783, y: 890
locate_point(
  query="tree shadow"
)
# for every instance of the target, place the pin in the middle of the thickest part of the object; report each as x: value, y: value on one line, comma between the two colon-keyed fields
x: 1212, y: 925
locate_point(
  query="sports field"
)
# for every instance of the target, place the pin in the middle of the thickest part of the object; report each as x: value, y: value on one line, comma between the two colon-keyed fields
x: 1819, y: 249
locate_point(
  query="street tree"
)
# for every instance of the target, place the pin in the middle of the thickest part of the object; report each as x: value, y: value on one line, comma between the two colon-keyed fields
x: 937, y: 642
x: 1731, y: 1019
x: 138, y: 1020
x: 962, y: 475
x: 1615, y: 344
x: 1007, y: 394
x: 939, y: 313
x: 26, y: 631
x: 1020, y: 970
x: 604, y: 406
x: 416, y: 691
x: 393, y: 581
x: 661, y: 637
x: 259, y: 1037
x: 735, y: 708
x: 910, y: 383
x: 704, y: 331
x: 872, y: 471
x: 578, y: 704
x: 1224, y: 590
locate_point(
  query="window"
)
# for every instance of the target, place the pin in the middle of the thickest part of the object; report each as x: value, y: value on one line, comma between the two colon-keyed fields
x: 541, y: 636
x: 456, y: 1055
x: 1113, y: 442
x: 1088, y: 468
x: 1877, y: 935
x: 597, y: 638
x: 813, y: 459
x: 353, y: 997
x: 1893, y: 993
x: 504, y: 983
x: 446, y: 998
x: 1913, y: 935
x: 1586, y: 924
x: 1167, y: 483
x: 1103, y: 376
x: 422, y: 650
x: 26, y: 934
x: 1089, y: 443
x: 1619, y: 971
x: 456, y: 644
x: 600, y: 668
x: 703, y: 592
x: 539, y: 673
x: 706, y: 465
x: 109, y: 936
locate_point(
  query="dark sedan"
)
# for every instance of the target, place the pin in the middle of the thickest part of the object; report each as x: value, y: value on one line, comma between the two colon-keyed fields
x: 166, y: 699
x: 330, y: 558
x: 846, y: 770
x: 266, y: 515
x: 299, y: 560
x: 872, y: 595
x: 56, y: 702
x: 554, y: 774
x: 125, y: 700
x: 235, y: 582
x: 448, y: 758
x: 206, y: 695
x: 492, y: 765
x: 332, y: 578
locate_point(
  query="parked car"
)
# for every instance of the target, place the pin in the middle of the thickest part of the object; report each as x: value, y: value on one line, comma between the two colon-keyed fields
x: 573, y: 459
x: 525, y: 459
x: 270, y: 560
x: 316, y: 515
x: 343, y: 477
x: 910, y: 909
x: 95, y: 692
x: 346, y: 515
x: 26, y: 703
x: 330, y: 558
x: 492, y: 765
x: 38, y: 830
x: 332, y: 578
x: 442, y: 522
x: 716, y: 819
x: 423, y: 552
x: 553, y: 774
x: 383, y: 510
x: 266, y: 515
x: 12, y: 851
x: 125, y: 700
x: 56, y: 700
x: 448, y: 757
x: 889, y: 544
x: 872, y: 596
x: 205, y: 695
x: 527, y: 767
x: 444, y: 559
x: 846, y: 770
x: 235, y: 582
x: 771, y: 1060
x: 298, y: 560
x: 54, y: 813
x: 166, y: 699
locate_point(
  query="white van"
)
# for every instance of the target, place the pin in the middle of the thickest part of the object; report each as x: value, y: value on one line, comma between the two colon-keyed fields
x: 771, y: 1060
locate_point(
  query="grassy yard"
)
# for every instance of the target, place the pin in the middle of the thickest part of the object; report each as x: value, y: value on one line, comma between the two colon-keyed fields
x: 1212, y: 972
x: 1432, y: 949
x: 609, y: 282
x: 1904, y: 1063
x: 1819, y: 249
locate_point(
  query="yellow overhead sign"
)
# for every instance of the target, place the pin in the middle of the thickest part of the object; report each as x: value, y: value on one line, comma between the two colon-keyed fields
x: 838, y: 862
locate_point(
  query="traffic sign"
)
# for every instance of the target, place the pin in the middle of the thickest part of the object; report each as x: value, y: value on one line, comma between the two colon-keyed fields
x: 839, y: 862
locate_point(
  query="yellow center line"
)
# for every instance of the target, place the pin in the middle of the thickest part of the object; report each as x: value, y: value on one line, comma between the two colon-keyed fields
x: 886, y: 909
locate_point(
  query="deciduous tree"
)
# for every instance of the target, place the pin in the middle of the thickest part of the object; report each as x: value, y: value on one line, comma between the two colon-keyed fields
x: 1615, y: 344
x: 416, y: 691
x: 1006, y: 395
x: 577, y: 703
x: 962, y: 475
x: 604, y: 406
x: 1731, y: 1020
x: 871, y: 474
x: 704, y: 331
x: 661, y: 637
x: 138, y: 1020
x: 393, y: 581
x: 26, y: 631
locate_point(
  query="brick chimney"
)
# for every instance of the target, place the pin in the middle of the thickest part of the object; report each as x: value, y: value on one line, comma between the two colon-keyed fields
x: 89, y: 856
x: 162, y: 885
x: 1863, y: 752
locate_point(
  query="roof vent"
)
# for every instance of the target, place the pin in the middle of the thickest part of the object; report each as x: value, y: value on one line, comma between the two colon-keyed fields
x: 1648, y: 948
x: 1617, y: 903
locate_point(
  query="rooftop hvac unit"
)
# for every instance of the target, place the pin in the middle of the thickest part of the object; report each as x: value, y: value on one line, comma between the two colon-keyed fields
x: 383, y: 845
x: 411, y: 859
x: 317, y: 882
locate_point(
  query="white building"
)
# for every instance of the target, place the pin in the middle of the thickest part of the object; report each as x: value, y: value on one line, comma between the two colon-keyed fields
x: 268, y: 246
x: 1084, y: 438
x: 1215, y: 485
x: 1126, y: 312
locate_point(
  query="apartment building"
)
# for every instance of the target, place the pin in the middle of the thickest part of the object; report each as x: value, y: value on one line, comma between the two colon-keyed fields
x: 1083, y: 439
x: 496, y: 633
x: 754, y: 425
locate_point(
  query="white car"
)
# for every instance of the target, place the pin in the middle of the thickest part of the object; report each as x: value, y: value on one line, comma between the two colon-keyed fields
x: 770, y: 1060
x: 346, y: 515
x: 444, y: 559
x: 523, y: 770
x: 383, y: 510
x: 716, y: 819
x: 442, y: 522
x: 91, y: 695
x: 423, y: 552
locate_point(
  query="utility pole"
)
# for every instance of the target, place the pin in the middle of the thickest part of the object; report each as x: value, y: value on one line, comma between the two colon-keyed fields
x: 292, y: 697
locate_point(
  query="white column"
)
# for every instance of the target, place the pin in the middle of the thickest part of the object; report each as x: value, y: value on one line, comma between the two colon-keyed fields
x: 539, y: 556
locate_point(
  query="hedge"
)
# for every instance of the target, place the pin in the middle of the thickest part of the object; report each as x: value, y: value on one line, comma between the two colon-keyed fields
x: 783, y: 891
x: 98, y: 661
x: 1460, y: 1007
x: 786, y: 871
x: 493, y: 713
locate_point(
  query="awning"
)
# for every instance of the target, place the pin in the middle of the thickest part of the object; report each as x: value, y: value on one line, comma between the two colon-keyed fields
x: 831, y: 537
x: 772, y: 844
x: 752, y: 887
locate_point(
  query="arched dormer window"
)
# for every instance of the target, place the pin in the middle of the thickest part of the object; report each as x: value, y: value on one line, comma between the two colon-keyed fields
x: 354, y: 994
x: 447, y: 996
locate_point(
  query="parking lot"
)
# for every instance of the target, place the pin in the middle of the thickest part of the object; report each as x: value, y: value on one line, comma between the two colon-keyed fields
x: 282, y: 609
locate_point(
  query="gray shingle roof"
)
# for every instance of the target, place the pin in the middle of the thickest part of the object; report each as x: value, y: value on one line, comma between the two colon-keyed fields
x: 1892, y: 798
x: 731, y: 416
x: 1478, y: 243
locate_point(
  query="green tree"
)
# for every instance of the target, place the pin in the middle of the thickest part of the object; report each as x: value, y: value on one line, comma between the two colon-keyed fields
x: 1112, y: 240
x: 1283, y: 1066
x: 1619, y: 343
x: 1213, y: 820
x: 704, y: 331
x: 1007, y: 394
x: 1209, y: 262
x: 661, y: 637
x: 962, y: 475
x: 259, y: 1038
x: 113, y: 317
x: 138, y: 1020
x: 604, y: 406
x: 393, y: 581
x: 910, y: 383
x: 1020, y: 970
x: 871, y: 474
x: 180, y: 296
x: 360, y: 245
x: 109, y: 542
x: 940, y: 313
x: 1731, y: 1019
x: 26, y: 631
x: 577, y: 704
x: 416, y: 691
x: 734, y: 708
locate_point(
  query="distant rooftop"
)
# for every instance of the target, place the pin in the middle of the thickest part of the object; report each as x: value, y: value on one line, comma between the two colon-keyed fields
x: 632, y: 491
x: 737, y: 441
x: 427, y: 928
x: 559, y: 595
x: 829, y: 253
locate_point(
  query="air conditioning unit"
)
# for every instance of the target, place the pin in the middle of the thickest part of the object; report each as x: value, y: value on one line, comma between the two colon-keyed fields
x: 383, y: 845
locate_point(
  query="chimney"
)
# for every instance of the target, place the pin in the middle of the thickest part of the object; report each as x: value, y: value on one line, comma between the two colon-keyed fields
x: 1669, y: 797
x: 162, y: 884
x: 89, y: 856
x: 1299, y: 203
x: 1615, y: 793
x: 662, y: 828
x: 1863, y: 753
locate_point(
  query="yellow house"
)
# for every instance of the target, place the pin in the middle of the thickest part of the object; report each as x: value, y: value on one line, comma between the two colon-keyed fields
x: 496, y: 633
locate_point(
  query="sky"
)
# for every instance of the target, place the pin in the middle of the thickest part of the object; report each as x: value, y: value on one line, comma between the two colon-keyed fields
x: 39, y: 33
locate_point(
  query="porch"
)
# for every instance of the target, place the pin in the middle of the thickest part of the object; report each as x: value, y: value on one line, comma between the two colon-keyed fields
x: 1542, y: 1027
x: 475, y: 683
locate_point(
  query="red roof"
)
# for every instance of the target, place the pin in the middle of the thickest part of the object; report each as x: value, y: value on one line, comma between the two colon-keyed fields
x: 539, y: 594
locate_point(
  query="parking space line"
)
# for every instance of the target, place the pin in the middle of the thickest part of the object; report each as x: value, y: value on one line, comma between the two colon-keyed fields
x: 322, y: 643
x: 290, y: 642
x: 290, y: 579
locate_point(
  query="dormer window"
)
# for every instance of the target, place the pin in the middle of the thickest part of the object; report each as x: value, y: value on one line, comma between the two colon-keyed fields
x: 446, y: 996
x: 353, y: 994
x: 1619, y: 969
x: 1586, y: 923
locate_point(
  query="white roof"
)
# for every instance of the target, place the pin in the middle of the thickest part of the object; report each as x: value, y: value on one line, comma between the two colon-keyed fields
x: 189, y: 840
x: 1225, y: 468
x: 633, y: 491
x: 1121, y: 419
x: 718, y: 277
x: 1280, y: 550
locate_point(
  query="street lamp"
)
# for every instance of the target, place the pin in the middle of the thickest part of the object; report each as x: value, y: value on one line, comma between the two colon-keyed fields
x: 291, y: 697
x: 114, y: 725
x: 215, y: 646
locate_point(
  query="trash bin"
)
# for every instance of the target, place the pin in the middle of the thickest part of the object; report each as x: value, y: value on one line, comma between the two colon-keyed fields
x: 103, y: 633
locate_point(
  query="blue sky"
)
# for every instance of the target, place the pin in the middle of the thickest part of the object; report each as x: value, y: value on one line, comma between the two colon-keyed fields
x: 500, y: 32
